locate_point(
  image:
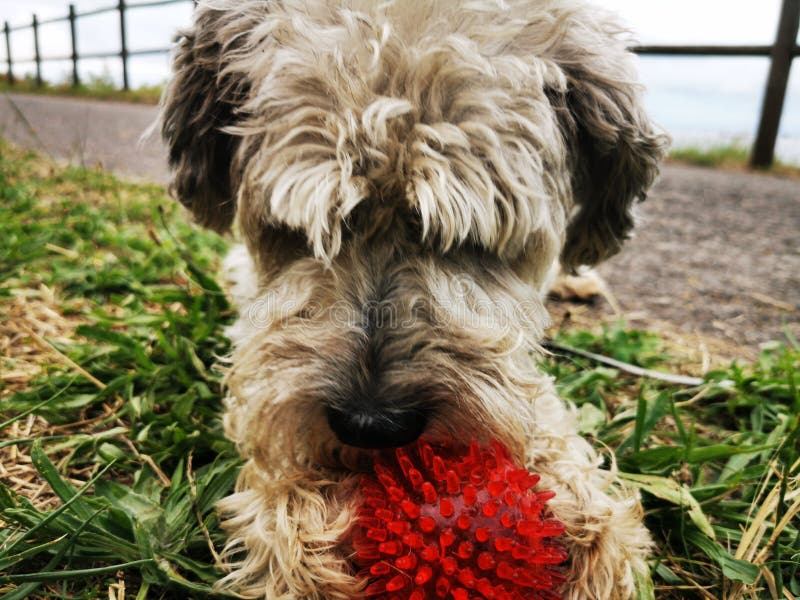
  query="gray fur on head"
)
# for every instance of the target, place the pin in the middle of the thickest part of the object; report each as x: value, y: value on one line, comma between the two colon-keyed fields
x: 494, y: 127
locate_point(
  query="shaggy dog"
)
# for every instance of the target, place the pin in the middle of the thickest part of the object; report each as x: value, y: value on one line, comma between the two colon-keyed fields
x: 407, y: 177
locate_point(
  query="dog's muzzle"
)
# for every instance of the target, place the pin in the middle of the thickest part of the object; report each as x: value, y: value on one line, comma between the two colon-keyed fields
x: 375, y: 429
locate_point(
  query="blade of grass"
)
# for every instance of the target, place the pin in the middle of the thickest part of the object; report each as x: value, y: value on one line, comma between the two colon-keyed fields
x: 79, y: 573
x: 22, y: 592
x: 35, y: 407
x: 672, y: 491
x: 49, y: 517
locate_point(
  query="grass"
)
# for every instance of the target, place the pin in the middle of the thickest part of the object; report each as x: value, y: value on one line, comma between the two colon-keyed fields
x: 97, y: 87
x: 716, y: 156
x: 718, y: 465
x: 727, y: 156
x: 114, y: 464
x: 113, y: 455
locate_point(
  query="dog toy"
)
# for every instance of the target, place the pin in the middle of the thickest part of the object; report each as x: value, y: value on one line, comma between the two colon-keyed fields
x: 439, y: 521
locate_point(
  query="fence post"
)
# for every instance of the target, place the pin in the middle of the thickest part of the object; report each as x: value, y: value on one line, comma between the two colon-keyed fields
x: 75, y: 78
x: 9, y: 60
x: 775, y: 94
x: 37, y: 55
x: 123, y: 46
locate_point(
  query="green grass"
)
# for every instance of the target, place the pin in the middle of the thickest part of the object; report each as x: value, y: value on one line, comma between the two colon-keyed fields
x: 712, y: 157
x: 98, y: 87
x: 734, y: 156
x: 714, y: 463
x: 706, y: 460
x: 151, y: 319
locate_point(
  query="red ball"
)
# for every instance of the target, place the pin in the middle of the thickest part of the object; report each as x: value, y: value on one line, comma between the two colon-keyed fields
x: 439, y: 521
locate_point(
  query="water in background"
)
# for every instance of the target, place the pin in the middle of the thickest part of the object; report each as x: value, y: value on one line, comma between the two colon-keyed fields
x: 703, y: 102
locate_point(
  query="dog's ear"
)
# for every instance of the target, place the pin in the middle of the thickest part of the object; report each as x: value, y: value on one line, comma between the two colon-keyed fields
x: 614, y: 148
x: 199, y: 102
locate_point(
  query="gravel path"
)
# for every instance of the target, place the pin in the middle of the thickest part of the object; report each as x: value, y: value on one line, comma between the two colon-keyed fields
x: 716, y: 253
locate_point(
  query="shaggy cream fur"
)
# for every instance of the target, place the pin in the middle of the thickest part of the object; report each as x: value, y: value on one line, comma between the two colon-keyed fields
x: 406, y: 176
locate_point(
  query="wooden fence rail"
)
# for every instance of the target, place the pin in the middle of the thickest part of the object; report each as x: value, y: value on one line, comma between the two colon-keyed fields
x: 781, y: 55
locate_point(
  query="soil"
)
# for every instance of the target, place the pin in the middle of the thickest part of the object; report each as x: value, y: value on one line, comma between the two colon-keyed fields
x: 716, y: 253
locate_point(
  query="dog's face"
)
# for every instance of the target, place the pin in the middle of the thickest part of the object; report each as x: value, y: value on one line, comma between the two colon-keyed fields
x: 406, y: 177
x: 385, y: 340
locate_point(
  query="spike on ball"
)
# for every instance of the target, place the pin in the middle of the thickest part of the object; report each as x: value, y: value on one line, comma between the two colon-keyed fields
x: 439, y: 521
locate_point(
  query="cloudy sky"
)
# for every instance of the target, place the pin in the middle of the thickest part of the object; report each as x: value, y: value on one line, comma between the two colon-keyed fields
x: 716, y: 95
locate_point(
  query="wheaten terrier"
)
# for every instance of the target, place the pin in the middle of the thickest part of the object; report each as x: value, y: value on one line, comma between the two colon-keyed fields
x: 406, y: 176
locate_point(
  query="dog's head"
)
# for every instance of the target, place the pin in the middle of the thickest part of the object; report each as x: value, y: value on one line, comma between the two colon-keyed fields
x: 405, y: 176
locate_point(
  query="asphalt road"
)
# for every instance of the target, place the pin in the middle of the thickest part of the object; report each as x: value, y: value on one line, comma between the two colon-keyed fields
x: 87, y: 133
x: 716, y: 253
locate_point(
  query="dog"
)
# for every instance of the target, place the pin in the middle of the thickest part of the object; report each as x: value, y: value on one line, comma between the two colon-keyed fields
x: 407, y: 177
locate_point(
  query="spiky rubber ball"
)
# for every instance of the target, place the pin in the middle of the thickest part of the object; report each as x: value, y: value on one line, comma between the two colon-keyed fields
x: 465, y: 523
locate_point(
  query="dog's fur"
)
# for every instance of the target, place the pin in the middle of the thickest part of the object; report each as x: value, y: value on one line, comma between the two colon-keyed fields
x: 407, y: 177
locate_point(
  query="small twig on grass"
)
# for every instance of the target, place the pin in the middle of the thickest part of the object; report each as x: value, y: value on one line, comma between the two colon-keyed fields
x: 150, y: 462
x: 62, y: 251
x: 698, y: 396
x: 193, y: 494
x: 116, y: 591
x: 628, y: 368
x: 63, y: 357
x: 770, y: 301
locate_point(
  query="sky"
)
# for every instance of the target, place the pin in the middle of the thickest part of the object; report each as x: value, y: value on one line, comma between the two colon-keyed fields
x: 703, y: 96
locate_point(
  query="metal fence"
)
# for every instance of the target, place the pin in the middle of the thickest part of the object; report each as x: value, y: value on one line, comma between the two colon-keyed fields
x: 781, y: 54
x: 123, y: 53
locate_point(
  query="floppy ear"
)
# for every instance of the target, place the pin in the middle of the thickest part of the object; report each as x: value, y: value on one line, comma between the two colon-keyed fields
x: 199, y: 102
x: 614, y: 149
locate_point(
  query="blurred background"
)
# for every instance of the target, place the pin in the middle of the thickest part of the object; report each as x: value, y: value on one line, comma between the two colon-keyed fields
x: 701, y: 101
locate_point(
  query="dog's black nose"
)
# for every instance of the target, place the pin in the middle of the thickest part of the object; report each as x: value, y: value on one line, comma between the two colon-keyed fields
x: 377, y: 429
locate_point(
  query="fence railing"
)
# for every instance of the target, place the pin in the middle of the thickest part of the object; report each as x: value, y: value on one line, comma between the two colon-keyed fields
x: 123, y: 53
x: 781, y: 54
